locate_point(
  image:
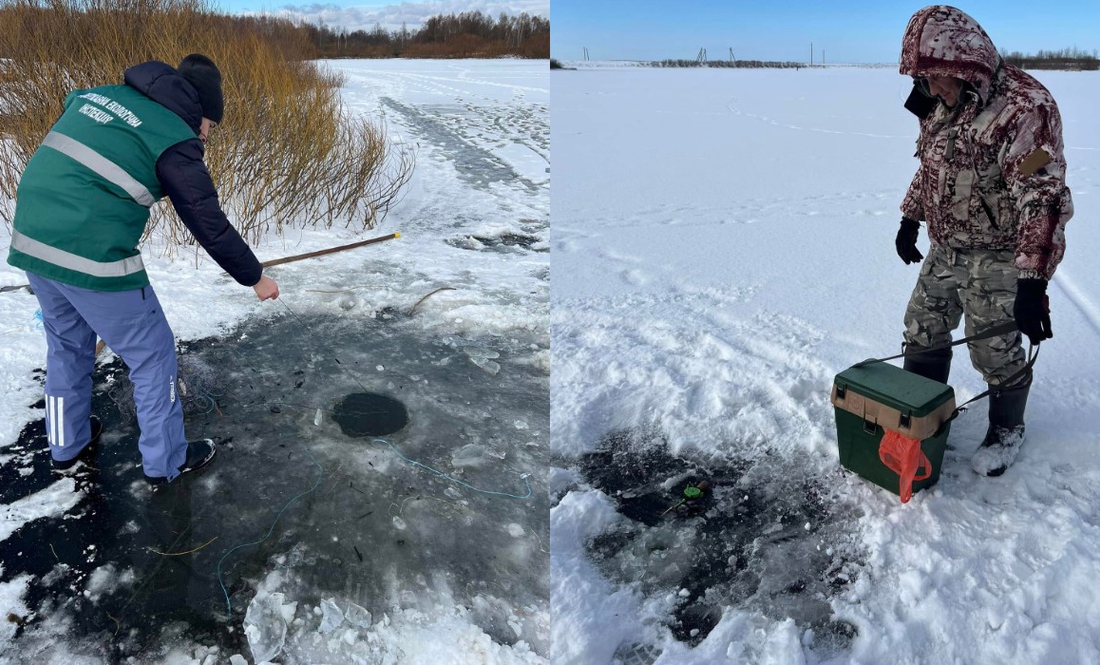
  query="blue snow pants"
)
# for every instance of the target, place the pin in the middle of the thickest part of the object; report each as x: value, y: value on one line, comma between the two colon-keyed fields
x: 133, y: 326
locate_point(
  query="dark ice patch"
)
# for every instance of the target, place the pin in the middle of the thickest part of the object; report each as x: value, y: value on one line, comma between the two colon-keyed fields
x: 766, y: 536
x: 373, y: 521
x: 502, y: 242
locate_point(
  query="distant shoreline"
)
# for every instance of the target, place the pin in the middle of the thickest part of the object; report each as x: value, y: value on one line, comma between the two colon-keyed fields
x: 1058, y: 65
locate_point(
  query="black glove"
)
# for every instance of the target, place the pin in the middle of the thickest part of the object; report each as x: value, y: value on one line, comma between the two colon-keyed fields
x: 1032, y: 309
x: 906, y: 241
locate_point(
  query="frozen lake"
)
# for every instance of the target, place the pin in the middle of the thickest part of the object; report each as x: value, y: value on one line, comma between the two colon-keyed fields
x: 723, y: 246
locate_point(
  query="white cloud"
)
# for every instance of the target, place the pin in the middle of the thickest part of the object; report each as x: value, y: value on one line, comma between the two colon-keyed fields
x: 412, y: 14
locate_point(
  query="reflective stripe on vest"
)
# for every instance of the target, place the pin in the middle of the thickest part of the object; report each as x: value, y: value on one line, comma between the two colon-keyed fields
x: 63, y: 259
x: 102, y: 166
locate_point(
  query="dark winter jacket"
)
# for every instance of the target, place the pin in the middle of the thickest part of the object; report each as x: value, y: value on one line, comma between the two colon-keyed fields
x: 84, y: 198
x: 992, y: 172
x: 184, y: 176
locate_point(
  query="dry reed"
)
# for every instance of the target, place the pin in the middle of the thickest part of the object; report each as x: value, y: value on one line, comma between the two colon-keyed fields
x: 287, y: 153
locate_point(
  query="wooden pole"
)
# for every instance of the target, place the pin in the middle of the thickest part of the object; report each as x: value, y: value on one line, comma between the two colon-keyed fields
x: 331, y: 250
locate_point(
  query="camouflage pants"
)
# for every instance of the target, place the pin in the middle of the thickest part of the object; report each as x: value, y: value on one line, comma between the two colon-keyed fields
x: 979, y: 283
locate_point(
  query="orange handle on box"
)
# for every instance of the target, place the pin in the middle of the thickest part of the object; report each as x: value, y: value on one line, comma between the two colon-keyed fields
x: 903, y: 456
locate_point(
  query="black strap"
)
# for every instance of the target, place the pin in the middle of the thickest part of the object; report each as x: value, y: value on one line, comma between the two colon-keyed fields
x: 1020, y: 377
x: 995, y: 331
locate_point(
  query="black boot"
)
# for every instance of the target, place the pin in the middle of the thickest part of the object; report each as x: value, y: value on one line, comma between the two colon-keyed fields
x: 1006, y: 431
x: 199, y: 454
x: 935, y: 365
x: 86, y: 454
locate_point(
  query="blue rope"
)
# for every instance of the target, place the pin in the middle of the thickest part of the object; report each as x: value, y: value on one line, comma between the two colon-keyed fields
x: 228, y: 604
x: 456, y: 480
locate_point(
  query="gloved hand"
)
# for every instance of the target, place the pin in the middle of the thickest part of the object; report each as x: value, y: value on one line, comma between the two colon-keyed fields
x: 906, y: 241
x: 1032, y: 309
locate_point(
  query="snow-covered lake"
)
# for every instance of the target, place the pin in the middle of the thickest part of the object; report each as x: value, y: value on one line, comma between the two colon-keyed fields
x: 368, y: 558
x: 723, y: 246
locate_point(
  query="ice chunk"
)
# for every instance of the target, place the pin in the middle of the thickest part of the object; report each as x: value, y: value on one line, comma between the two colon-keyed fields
x: 264, y: 626
x: 237, y: 659
x: 470, y: 454
x: 358, y: 616
x: 333, y: 617
x: 399, y: 523
x: 288, y: 611
x: 482, y: 358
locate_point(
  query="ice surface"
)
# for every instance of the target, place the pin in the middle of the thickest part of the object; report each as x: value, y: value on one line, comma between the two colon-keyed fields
x: 470, y: 454
x: 744, y: 541
x: 56, y: 499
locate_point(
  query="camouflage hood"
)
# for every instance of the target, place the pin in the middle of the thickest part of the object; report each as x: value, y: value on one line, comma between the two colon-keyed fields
x: 944, y: 41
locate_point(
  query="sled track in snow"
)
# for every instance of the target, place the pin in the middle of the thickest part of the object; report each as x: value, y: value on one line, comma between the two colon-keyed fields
x: 1077, y: 297
x: 476, y: 166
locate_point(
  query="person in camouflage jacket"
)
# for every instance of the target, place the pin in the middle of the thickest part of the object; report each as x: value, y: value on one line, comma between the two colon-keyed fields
x: 991, y: 187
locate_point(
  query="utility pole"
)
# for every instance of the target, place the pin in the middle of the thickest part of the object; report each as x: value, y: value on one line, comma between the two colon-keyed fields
x: 702, y: 57
x: 585, y: 52
x: 811, y: 54
x: 733, y: 61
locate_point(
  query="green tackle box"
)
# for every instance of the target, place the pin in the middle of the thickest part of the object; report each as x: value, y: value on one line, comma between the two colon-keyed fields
x: 877, y: 396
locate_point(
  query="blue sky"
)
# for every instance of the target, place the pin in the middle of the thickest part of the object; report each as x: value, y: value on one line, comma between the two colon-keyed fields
x: 364, y: 14
x: 856, y: 31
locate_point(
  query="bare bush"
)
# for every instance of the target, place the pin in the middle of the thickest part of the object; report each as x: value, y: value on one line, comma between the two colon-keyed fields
x: 287, y: 152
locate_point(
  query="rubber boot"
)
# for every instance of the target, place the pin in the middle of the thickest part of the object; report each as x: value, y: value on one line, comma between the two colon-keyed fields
x: 1005, y: 435
x: 935, y: 365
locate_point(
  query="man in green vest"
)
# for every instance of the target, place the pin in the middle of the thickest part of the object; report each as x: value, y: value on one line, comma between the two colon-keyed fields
x: 81, y: 209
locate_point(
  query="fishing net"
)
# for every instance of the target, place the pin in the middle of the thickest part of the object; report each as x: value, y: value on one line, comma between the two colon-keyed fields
x: 198, y: 388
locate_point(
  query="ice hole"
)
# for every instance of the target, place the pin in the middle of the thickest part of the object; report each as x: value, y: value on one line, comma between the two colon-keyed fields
x: 370, y: 414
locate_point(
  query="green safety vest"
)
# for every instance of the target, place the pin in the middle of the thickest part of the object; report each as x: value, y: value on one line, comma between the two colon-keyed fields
x: 83, y: 200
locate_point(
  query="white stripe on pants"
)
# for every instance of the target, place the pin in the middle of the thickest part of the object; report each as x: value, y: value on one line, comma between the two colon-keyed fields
x: 61, y: 422
x: 55, y: 421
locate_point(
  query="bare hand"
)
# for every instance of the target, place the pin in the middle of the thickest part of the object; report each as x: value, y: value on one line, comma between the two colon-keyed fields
x: 266, y: 288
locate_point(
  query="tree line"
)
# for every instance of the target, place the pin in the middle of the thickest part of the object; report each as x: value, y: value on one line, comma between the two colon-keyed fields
x: 1064, y: 59
x: 748, y: 64
x: 464, y: 35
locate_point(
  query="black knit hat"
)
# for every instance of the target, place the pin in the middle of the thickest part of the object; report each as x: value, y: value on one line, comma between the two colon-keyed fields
x: 201, y: 72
